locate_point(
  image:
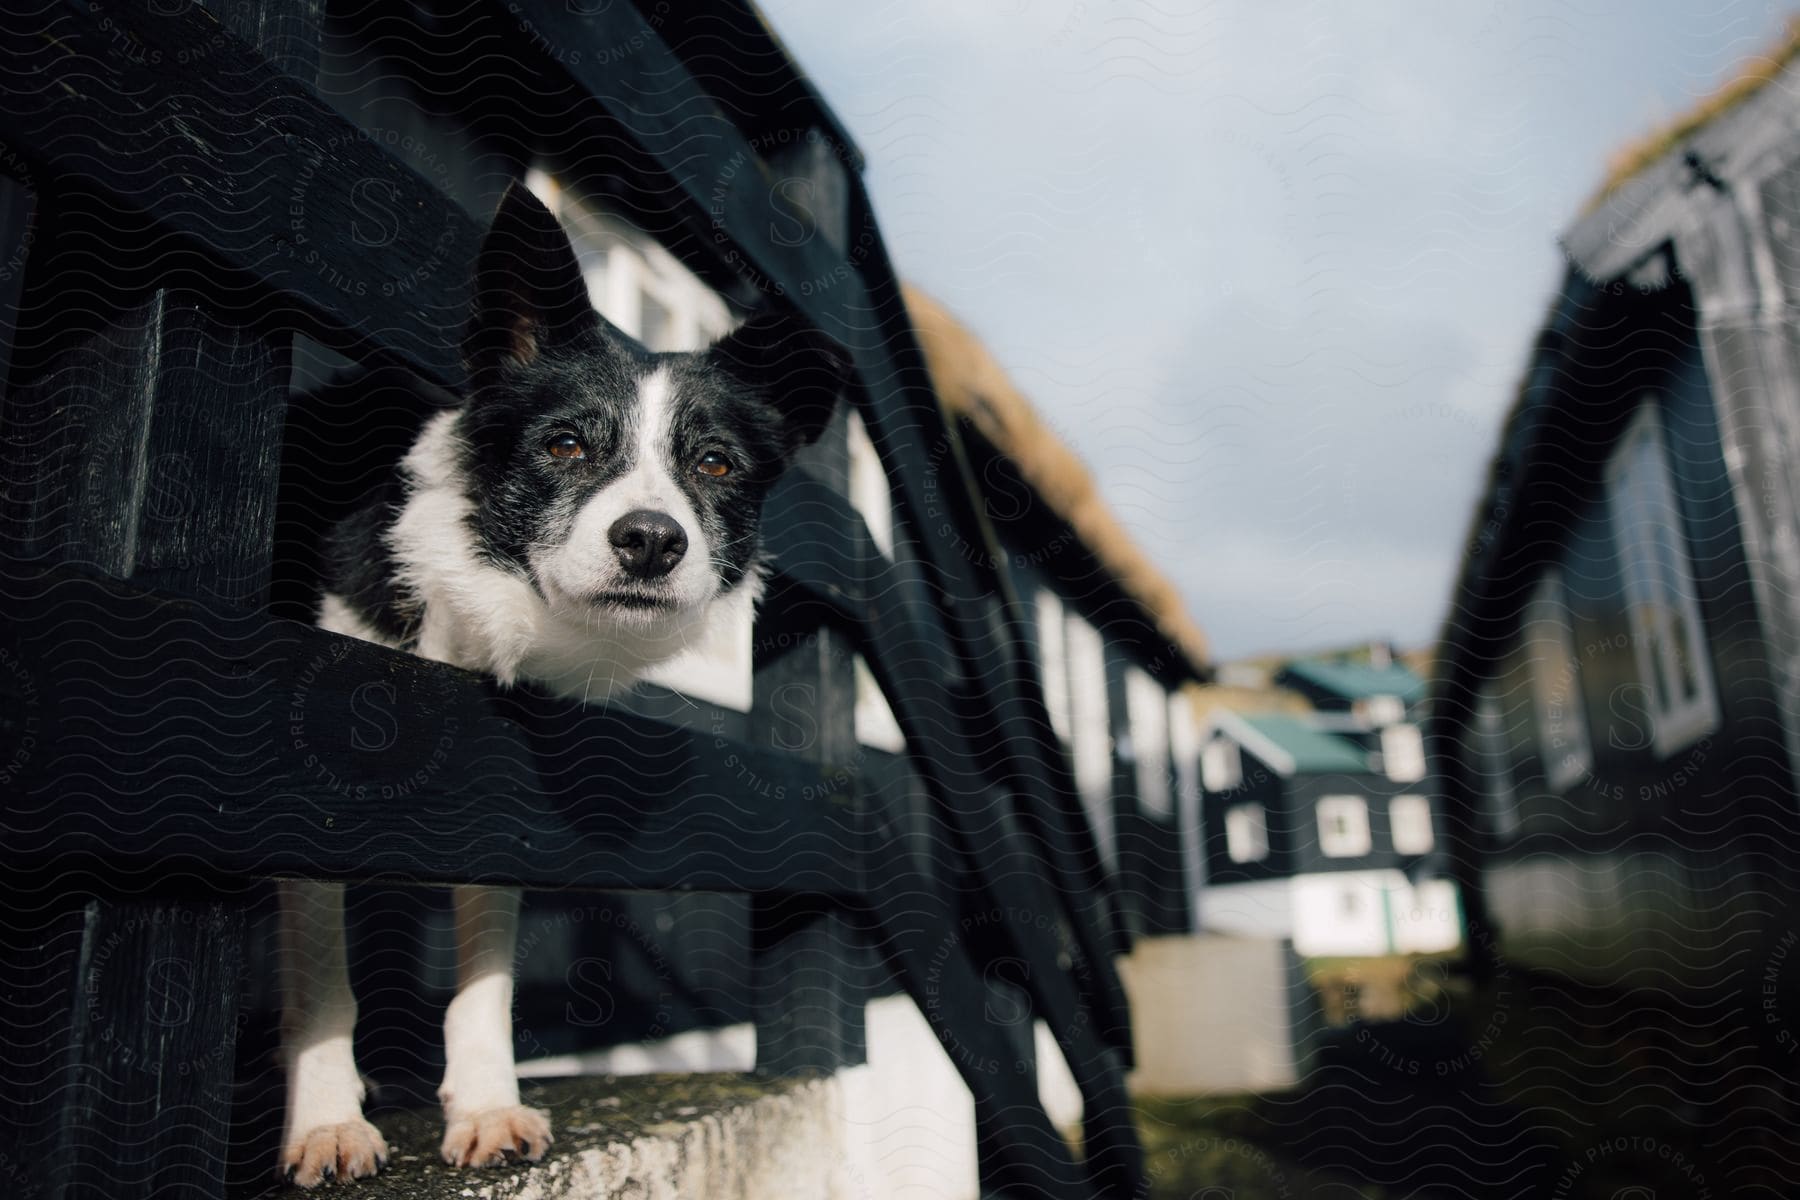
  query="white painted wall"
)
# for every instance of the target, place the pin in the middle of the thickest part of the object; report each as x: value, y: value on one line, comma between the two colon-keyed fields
x: 904, y: 1119
x: 1332, y: 913
x: 1373, y: 913
x: 909, y: 1123
x: 1209, y: 1014
x: 1261, y: 909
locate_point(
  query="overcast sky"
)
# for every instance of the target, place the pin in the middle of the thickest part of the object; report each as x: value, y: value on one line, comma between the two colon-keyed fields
x: 1272, y: 268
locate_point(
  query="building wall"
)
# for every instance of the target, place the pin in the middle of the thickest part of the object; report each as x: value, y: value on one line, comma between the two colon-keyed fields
x: 1120, y: 726
x: 1645, y: 857
x: 1194, y: 1037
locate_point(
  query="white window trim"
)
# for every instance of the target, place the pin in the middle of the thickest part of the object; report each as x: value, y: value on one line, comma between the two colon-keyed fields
x: 1147, y: 708
x: 1090, y: 735
x: 870, y: 494
x: 1675, y: 725
x: 1409, y: 824
x: 1246, y: 833
x: 1564, y: 745
x: 1053, y: 660
x: 1184, y: 747
x: 622, y: 264
x: 1380, y: 710
x: 1355, y: 840
x: 1403, y: 753
x: 873, y: 719
x: 1222, y: 765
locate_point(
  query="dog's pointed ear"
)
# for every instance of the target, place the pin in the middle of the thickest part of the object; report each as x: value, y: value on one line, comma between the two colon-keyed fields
x: 794, y: 367
x: 529, y: 294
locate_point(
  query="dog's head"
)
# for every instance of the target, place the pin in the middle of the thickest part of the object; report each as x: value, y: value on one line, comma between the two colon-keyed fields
x: 624, y: 485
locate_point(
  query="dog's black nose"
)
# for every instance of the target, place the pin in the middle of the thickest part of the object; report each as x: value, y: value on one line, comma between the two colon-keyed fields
x: 649, y: 544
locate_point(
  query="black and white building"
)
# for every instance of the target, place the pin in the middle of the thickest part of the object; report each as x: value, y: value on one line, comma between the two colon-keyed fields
x: 1616, y: 714
x: 1319, y: 826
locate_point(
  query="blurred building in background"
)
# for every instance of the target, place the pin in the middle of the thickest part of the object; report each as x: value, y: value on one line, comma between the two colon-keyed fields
x: 1113, y: 641
x: 1616, y: 709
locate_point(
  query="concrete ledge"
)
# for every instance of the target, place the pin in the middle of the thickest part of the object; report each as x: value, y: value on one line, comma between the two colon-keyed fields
x: 651, y: 1137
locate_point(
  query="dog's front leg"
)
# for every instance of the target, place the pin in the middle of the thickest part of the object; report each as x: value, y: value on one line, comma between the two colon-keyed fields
x: 484, y: 1123
x: 324, y: 1136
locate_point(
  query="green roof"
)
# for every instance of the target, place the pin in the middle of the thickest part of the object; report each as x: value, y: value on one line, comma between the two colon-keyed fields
x: 1313, y: 750
x: 1358, y: 680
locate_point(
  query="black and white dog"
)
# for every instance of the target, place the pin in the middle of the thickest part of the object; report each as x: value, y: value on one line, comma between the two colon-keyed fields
x: 588, y: 511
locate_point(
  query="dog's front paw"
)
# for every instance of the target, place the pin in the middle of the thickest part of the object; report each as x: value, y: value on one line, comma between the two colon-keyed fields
x: 352, y: 1150
x: 497, y: 1135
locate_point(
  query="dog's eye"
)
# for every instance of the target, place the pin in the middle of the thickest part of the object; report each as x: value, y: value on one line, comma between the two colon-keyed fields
x: 713, y: 463
x: 566, y: 445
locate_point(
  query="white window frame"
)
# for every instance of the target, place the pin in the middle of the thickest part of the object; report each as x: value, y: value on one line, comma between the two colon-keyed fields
x: 1403, y: 753
x: 622, y: 265
x: 1147, y: 708
x: 1053, y: 660
x: 1222, y: 764
x: 1564, y: 745
x: 1184, y: 749
x: 1380, y: 710
x: 1354, y: 840
x: 1246, y: 833
x: 869, y: 491
x: 1409, y: 824
x: 1090, y: 734
x: 1660, y: 599
x: 873, y: 719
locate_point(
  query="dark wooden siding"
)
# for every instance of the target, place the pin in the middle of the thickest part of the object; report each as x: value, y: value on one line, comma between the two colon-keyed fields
x: 1644, y: 851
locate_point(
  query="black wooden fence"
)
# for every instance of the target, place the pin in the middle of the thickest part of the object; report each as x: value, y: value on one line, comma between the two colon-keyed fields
x: 175, y: 201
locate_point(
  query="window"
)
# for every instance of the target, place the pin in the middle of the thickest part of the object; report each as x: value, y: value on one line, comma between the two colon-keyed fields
x: 1184, y: 748
x: 634, y: 282
x: 1147, y: 708
x: 1380, y: 710
x: 1403, y: 753
x: 1555, y: 685
x: 1344, y: 827
x: 1222, y: 765
x: 1246, y: 833
x: 1410, y: 820
x: 1090, y: 739
x: 1184, y: 735
x: 869, y: 492
x: 874, y: 721
x: 1053, y: 662
x: 1667, y: 637
x: 1490, y: 758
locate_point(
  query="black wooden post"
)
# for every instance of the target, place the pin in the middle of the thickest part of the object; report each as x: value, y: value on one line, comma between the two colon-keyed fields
x: 149, y: 453
x: 17, y: 202
x: 808, y: 962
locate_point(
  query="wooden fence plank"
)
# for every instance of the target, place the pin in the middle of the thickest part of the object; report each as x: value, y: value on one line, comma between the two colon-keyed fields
x: 809, y: 961
x: 244, y: 164
x: 299, y: 751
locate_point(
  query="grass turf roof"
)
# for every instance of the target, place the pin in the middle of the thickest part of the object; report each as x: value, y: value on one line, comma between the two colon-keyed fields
x: 973, y: 386
x: 1751, y: 76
